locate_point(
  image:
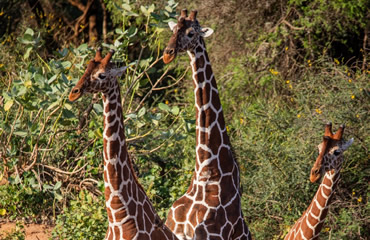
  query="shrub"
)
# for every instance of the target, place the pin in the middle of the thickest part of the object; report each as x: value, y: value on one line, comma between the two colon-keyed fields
x: 85, y: 218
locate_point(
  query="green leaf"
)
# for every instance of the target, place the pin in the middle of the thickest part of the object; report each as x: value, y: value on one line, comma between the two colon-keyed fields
x: 131, y: 32
x: 151, y: 8
x: 131, y: 115
x: 27, y: 54
x: 126, y: 6
x: 98, y: 108
x: 164, y: 107
x: 68, y: 106
x: 82, y: 47
x: 141, y: 112
x: 20, y: 133
x: 52, y: 105
x: 98, y: 133
x: 57, y: 185
x: 39, y: 79
x: 131, y: 14
x: 140, y: 124
x: 118, y: 31
x: 29, y: 31
x: 47, y: 187
x: 66, y: 64
x: 27, y: 39
x: 28, y: 83
x: 143, y: 9
x: 21, y: 91
x: 68, y: 114
x: 175, y: 110
x: 58, y: 196
x: 168, y: 9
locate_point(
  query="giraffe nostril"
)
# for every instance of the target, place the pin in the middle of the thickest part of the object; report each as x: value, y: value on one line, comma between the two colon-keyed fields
x: 76, y: 90
x: 170, y: 51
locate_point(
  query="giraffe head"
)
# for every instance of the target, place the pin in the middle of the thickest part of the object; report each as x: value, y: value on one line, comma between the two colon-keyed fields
x: 187, y: 35
x: 99, y: 76
x: 330, y: 153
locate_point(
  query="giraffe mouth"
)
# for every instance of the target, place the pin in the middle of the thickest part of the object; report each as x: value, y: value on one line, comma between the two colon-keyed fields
x: 167, y: 58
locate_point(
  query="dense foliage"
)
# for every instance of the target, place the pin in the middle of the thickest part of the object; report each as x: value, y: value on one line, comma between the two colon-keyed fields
x: 283, y: 70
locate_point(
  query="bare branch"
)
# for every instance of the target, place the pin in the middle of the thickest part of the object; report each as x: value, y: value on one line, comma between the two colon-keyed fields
x: 105, y: 20
x: 61, y: 171
x: 35, y: 150
x: 77, y: 4
x: 291, y: 26
x: 169, y: 86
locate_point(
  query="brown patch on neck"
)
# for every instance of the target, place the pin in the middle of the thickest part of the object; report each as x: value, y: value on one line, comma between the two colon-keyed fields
x: 200, y: 62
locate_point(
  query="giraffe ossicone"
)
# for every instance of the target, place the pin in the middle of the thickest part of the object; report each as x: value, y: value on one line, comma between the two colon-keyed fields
x: 211, y: 207
x: 327, y: 165
x: 131, y: 215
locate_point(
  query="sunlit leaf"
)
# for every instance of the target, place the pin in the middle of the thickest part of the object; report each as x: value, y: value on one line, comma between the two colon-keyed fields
x: 57, y: 185
x: 58, y: 196
x: 27, y: 53
x: 151, y: 8
x: 164, y: 107
x: 98, y: 108
x: 168, y: 8
x: 8, y: 105
x: 68, y: 106
x: 28, y: 83
x: 175, y: 110
x: 20, y: 133
x: 47, y: 187
x: 126, y: 6
x: 29, y: 31
x: 143, y: 9
x: 82, y: 47
x: 52, y: 79
x: 66, y: 64
x: 2, y: 212
x: 141, y: 112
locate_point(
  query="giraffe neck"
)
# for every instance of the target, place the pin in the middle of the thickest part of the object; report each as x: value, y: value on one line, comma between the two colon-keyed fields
x: 213, y: 148
x: 126, y: 201
x: 310, y: 224
x: 211, y: 206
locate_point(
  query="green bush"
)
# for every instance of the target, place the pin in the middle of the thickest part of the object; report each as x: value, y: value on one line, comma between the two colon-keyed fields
x: 275, y: 128
x: 85, y: 218
x: 278, y: 85
x: 53, y: 148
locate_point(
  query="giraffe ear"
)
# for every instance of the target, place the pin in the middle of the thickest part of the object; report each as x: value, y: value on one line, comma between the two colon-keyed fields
x: 347, y: 144
x: 118, y: 71
x: 172, y: 25
x: 206, y: 32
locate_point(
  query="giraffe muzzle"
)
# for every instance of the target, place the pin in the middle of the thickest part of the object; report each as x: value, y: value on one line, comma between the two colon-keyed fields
x: 169, y: 55
x: 315, y: 174
x: 75, y: 94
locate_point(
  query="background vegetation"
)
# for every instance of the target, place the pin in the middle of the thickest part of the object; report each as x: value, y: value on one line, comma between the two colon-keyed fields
x: 284, y: 68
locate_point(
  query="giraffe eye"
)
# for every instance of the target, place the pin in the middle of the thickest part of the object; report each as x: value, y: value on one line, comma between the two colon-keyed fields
x: 336, y: 152
x: 190, y: 34
x: 101, y: 75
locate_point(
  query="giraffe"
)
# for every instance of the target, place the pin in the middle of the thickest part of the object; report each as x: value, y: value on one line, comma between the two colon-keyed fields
x: 211, y: 207
x: 328, y: 163
x: 130, y: 212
